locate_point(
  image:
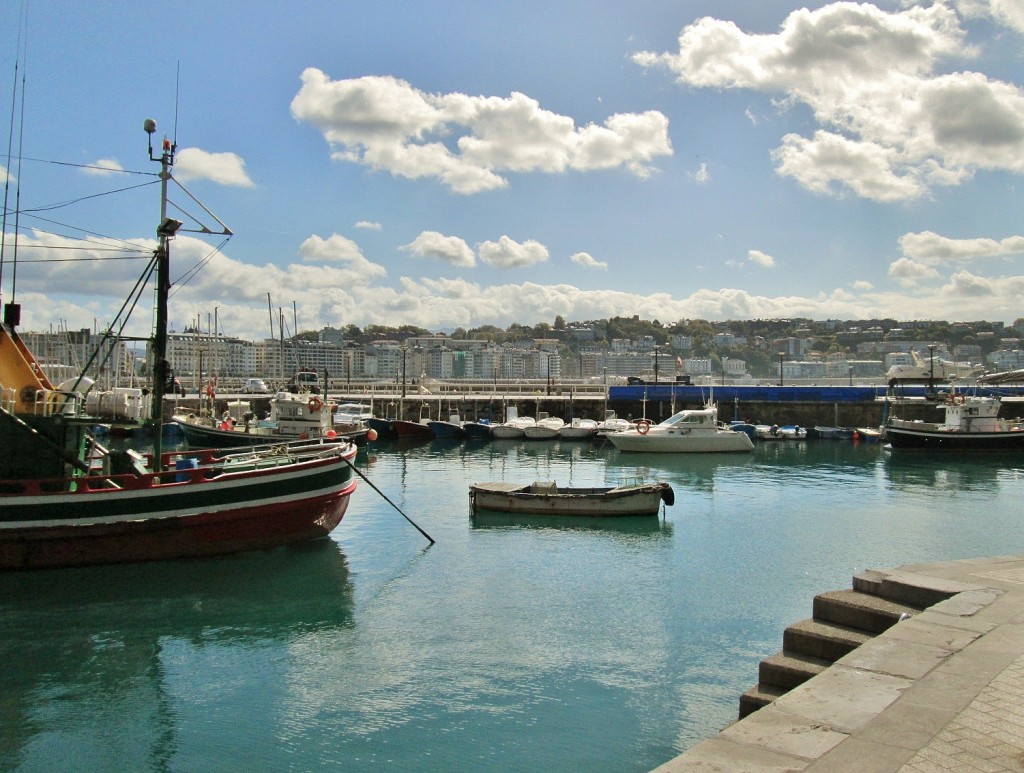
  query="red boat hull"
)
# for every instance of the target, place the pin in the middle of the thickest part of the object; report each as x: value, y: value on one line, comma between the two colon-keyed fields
x: 197, y: 516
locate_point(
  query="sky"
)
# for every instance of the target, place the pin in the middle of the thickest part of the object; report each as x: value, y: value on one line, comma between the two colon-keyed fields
x: 456, y: 164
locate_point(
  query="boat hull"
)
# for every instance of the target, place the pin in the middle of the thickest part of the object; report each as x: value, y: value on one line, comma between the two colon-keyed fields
x: 446, y: 430
x: 725, y: 441
x: 547, y: 499
x: 475, y: 429
x: 412, y: 429
x: 188, y: 513
x: 503, y: 432
x: 954, y: 441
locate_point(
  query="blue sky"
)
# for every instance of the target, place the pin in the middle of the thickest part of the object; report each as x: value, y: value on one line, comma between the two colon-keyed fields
x: 455, y: 164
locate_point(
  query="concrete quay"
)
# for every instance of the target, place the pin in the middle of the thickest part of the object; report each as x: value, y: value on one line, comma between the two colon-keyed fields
x: 939, y: 689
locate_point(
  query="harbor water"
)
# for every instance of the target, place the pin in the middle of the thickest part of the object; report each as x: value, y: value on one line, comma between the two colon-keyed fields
x: 512, y: 644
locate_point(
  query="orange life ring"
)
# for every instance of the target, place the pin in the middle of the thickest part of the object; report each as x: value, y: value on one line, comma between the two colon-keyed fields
x: 643, y: 426
x: 315, y: 404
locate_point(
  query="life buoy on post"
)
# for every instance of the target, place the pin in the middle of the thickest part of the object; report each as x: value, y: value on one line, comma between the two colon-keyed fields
x: 643, y: 426
x: 315, y: 404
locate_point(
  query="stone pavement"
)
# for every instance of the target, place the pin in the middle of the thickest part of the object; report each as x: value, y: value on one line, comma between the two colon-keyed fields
x: 941, y: 691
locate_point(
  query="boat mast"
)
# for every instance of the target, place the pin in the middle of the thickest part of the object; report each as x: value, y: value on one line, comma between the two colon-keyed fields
x: 165, y: 232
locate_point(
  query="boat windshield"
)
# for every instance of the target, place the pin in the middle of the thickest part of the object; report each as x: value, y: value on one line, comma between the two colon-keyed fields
x: 688, y: 417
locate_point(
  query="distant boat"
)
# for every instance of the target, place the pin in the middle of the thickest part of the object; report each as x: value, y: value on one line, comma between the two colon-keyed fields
x: 385, y: 428
x: 928, y: 370
x: 292, y: 417
x: 479, y: 430
x: 544, y: 428
x: 351, y: 417
x: 971, y: 423
x: 612, y: 423
x: 830, y: 433
x: 547, y: 498
x: 514, y: 426
x: 453, y: 428
x: 690, y: 431
x: 578, y: 429
x: 780, y: 432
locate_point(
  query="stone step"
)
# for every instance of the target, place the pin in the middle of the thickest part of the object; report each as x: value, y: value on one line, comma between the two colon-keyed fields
x: 862, y: 611
x: 916, y: 590
x: 823, y: 640
x: 758, y: 697
x: 789, y: 669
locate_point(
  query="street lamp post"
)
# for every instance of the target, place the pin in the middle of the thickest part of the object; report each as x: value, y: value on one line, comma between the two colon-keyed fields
x: 782, y: 356
x: 404, y: 350
x: 656, y: 348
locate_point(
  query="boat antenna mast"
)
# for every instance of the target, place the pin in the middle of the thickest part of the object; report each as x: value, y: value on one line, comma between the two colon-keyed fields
x: 165, y: 232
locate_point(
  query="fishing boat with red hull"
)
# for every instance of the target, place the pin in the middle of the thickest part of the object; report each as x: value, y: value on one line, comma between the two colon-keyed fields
x: 209, y: 505
x: 65, y: 500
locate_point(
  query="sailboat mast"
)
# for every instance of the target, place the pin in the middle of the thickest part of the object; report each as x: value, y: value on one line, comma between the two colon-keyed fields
x: 165, y: 231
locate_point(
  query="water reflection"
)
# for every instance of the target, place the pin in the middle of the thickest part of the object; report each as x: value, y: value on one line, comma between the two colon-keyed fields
x: 951, y: 472
x: 95, y: 640
x: 701, y: 472
x: 620, y: 526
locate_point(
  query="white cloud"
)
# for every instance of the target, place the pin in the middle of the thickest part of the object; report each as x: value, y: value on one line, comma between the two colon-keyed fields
x: 1009, y: 13
x: 587, y: 260
x: 338, y: 249
x: 862, y: 285
x: 369, y: 226
x: 909, y: 272
x: 223, y: 168
x: 930, y: 247
x: 103, y: 167
x: 702, y: 175
x: 760, y: 258
x: 75, y: 294
x: 891, y: 126
x: 508, y: 253
x: 468, y: 142
x: 452, y: 249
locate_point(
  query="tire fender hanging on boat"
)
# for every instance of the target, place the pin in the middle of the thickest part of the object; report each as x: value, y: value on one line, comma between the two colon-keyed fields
x: 668, y: 496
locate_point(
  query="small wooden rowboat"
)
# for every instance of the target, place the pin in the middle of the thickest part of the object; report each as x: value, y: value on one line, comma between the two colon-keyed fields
x: 547, y: 498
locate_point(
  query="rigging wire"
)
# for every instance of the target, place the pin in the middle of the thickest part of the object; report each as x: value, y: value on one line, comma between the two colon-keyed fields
x: 69, y: 202
x: 22, y: 24
x: 17, y: 191
x: 133, y: 299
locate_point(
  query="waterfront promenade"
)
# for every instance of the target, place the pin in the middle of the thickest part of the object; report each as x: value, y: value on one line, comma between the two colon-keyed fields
x: 941, y: 691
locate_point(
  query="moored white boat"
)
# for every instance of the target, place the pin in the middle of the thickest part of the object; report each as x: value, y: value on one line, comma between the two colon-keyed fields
x: 612, y: 423
x: 578, y: 429
x: 514, y: 426
x: 544, y: 428
x: 690, y: 431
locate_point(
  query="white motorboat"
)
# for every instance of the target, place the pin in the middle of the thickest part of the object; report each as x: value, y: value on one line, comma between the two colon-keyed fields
x: 691, y: 431
x: 578, y: 429
x: 612, y: 423
x: 514, y: 426
x: 545, y: 428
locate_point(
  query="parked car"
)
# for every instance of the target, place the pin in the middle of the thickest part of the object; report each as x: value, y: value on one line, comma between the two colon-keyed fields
x: 255, y: 386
